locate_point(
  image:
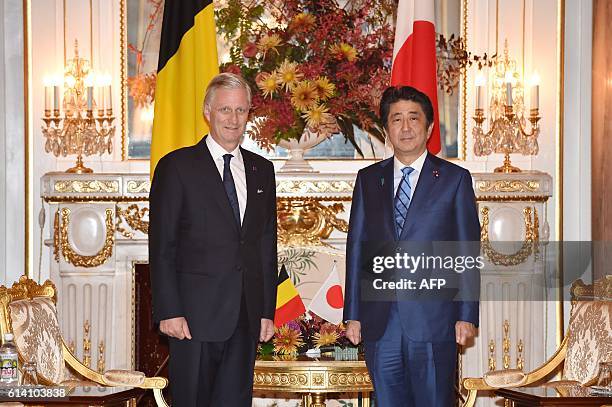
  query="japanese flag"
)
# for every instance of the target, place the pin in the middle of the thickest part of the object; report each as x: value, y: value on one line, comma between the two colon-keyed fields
x: 414, y: 55
x: 328, y: 302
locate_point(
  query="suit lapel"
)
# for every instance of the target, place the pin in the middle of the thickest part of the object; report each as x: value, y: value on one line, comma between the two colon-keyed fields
x: 214, y: 183
x: 387, y: 192
x: 424, y: 189
x: 250, y: 171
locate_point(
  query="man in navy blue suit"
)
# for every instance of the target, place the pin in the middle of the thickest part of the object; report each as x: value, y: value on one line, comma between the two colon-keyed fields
x: 410, y: 346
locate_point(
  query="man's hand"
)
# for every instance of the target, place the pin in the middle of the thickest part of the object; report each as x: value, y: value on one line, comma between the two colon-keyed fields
x: 267, y: 330
x: 353, y: 332
x: 175, y: 327
x: 464, y: 332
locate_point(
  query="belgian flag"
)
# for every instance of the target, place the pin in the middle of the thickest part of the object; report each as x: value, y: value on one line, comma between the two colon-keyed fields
x: 289, y: 304
x: 187, y: 63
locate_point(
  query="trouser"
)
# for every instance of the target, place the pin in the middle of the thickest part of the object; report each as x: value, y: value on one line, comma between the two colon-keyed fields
x: 408, y: 373
x: 213, y: 374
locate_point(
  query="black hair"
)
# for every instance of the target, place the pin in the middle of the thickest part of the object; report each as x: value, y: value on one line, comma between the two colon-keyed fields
x: 394, y: 94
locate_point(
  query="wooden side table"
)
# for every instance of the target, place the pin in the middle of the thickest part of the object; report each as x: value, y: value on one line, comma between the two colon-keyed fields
x: 313, y: 378
x: 546, y: 396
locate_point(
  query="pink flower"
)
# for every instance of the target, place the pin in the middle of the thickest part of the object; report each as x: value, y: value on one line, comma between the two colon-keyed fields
x: 249, y: 50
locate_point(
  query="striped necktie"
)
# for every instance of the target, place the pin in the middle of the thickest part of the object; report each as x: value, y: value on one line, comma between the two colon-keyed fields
x: 402, y: 200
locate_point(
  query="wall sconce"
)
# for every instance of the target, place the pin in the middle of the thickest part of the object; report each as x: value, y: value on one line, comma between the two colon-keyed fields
x: 508, y: 132
x: 81, y: 123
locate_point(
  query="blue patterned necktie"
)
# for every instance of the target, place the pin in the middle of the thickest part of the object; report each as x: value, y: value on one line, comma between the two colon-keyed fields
x: 402, y: 200
x: 230, y: 187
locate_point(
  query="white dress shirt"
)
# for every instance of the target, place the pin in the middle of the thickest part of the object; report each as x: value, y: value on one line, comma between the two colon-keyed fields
x: 236, y: 167
x: 414, y: 175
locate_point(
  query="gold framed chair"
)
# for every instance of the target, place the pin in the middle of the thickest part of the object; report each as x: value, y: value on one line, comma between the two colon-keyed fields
x: 28, y: 310
x: 587, y: 342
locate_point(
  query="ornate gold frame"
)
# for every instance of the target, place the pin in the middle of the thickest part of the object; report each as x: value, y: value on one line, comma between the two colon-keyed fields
x: 461, y: 131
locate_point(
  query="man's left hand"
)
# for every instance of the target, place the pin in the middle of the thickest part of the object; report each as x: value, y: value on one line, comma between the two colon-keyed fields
x: 464, y: 332
x: 267, y: 330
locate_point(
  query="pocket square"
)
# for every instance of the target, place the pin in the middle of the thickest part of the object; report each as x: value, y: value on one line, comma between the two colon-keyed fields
x: 260, y: 191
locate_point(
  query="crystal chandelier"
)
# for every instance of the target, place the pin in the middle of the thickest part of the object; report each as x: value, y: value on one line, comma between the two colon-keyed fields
x: 81, y: 123
x: 508, y: 132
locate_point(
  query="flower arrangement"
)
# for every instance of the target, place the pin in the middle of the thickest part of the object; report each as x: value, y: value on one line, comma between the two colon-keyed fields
x: 312, y: 65
x: 307, y: 332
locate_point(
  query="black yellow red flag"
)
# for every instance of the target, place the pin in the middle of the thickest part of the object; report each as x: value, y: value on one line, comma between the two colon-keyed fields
x: 187, y: 62
x: 289, y: 304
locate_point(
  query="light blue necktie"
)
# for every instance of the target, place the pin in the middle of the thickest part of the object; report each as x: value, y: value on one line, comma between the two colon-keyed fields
x: 402, y: 200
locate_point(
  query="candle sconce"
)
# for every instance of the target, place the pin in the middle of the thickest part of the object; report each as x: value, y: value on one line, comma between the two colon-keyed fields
x: 86, y: 127
x: 509, y: 132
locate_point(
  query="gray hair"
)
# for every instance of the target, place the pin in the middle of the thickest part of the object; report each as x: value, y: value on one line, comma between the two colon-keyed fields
x: 225, y: 80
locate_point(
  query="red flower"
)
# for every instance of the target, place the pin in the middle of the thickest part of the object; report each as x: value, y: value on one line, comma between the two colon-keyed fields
x: 249, y: 50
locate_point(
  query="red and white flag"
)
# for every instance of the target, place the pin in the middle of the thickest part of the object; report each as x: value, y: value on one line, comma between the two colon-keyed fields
x: 414, y: 55
x: 328, y: 302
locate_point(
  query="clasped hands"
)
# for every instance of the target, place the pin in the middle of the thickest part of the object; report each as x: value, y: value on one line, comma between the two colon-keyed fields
x: 464, y: 332
x: 179, y: 329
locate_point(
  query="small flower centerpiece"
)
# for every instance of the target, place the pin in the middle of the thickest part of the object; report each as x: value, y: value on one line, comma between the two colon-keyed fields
x: 315, y: 67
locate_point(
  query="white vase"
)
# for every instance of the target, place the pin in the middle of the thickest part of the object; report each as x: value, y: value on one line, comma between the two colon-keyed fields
x: 296, y: 162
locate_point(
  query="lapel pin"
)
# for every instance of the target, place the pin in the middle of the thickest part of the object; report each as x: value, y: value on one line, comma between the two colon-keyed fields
x: 436, y: 174
x: 254, y: 169
x: 382, y: 182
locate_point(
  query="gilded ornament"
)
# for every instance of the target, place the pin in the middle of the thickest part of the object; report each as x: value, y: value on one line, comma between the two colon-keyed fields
x: 87, y: 261
x: 529, y: 246
x: 138, y: 186
x: 56, y: 237
x: 133, y: 216
x: 314, y: 187
x: 305, y: 222
x: 85, y: 187
x: 508, y: 186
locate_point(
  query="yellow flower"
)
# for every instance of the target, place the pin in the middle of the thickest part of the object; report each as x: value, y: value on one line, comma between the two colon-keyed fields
x: 325, y: 338
x: 268, y: 83
x: 288, y: 74
x: 304, y: 95
x: 316, y: 116
x: 268, y: 42
x: 324, y: 87
x: 344, y: 50
x: 286, y: 340
x: 302, y: 21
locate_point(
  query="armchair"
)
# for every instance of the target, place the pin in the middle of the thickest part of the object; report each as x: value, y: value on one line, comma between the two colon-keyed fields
x: 28, y: 311
x: 588, y: 341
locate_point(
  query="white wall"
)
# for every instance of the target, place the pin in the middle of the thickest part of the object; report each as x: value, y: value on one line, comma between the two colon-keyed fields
x: 12, y: 170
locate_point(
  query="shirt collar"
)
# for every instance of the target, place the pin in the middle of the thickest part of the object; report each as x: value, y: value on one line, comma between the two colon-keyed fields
x: 416, y: 164
x: 217, y: 152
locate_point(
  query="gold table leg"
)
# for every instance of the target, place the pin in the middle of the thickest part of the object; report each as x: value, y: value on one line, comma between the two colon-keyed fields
x: 318, y: 400
x: 365, y: 399
x: 306, y: 400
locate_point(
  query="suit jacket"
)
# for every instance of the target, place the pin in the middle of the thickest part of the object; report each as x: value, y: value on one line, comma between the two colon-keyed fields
x: 443, y: 208
x: 202, y: 262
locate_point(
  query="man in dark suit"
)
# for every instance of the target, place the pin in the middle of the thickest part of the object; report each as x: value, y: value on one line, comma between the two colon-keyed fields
x: 212, y: 250
x: 410, y: 346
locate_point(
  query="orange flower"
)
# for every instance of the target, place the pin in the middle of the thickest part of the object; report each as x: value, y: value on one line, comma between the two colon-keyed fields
x: 302, y: 22
x: 288, y: 74
x: 286, y: 340
x: 268, y: 42
x: 343, y: 50
x: 304, y: 95
x: 324, y: 87
x: 267, y: 82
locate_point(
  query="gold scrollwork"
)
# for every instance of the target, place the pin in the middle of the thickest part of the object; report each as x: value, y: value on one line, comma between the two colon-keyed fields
x: 79, y: 186
x: 349, y: 379
x: 86, y: 344
x: 529, y: 247
x: 56, y: 237
x: 280, y: 379
x: 87, y: 261
x: 506, y: 345
x: 101, y: 363
x: 317, y: 187
x: 305, y: 222
x: 491, y: 355
x: 133, y: 216
x: 508, y: 186
x: 138, y: 186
